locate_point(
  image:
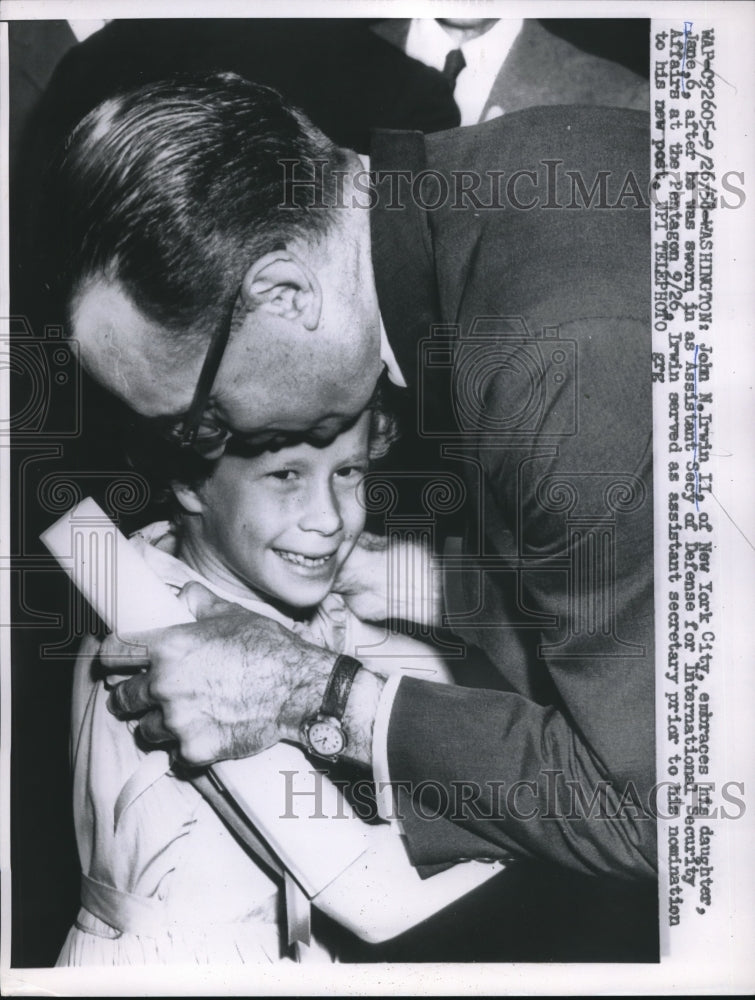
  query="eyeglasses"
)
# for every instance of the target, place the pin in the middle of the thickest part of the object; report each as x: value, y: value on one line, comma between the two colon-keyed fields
x: 190, y: 433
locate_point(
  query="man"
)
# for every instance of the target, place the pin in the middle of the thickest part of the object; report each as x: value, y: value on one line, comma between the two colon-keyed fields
x: 209, y: 213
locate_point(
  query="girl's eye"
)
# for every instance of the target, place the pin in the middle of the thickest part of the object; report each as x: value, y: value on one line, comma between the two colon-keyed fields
x: 351, y: 471
x: 284, y: 475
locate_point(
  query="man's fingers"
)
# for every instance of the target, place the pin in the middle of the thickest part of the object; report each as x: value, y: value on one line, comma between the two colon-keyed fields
x: 130, y: 697
x: 152, y: 729
x: 203, y: 603
x: 117, y: 652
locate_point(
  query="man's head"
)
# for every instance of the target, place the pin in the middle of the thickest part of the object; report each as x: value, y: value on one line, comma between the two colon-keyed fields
x: 168, y: 201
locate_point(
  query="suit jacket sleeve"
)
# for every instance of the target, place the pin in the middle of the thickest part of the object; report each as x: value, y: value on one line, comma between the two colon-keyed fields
x: 561, y: 765
x: 565, y: 771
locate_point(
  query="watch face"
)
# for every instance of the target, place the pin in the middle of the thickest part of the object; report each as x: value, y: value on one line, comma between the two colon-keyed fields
x: 326, y: 738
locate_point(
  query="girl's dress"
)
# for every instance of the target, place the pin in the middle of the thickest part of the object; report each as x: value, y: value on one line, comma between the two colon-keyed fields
x: 163, y: 879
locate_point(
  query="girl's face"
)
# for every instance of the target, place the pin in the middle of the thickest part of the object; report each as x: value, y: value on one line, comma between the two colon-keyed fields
x: 282, y: 522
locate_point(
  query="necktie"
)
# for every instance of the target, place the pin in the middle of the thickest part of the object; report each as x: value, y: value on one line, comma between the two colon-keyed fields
x: 455, y: 63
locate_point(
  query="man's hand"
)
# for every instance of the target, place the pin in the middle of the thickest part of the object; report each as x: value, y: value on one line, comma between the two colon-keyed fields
x: 228, y: 685
x: 400, y: 581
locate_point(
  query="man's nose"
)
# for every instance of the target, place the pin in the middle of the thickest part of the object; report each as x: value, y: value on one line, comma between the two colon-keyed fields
x: 322, y: 512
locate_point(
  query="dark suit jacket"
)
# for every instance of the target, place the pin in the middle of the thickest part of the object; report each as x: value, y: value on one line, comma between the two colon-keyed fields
x: 34, y: 50
x: 549, y: 414
x: 542, y: 68
x: 345, y: 78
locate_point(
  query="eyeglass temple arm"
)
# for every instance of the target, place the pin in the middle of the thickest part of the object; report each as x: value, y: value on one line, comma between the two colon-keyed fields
x: 207, y: 378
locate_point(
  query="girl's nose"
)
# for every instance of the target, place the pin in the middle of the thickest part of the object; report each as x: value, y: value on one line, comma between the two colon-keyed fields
x: 322, y: 513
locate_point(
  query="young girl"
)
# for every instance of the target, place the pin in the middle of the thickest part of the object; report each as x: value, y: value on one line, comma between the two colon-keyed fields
x: 163, y: 879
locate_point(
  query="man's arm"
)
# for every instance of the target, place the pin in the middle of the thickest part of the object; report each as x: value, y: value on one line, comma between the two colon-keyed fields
x: 231, y: 684
x: 563, y: 769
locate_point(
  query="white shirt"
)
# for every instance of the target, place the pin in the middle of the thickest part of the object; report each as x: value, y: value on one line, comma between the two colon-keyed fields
x: 428, y: 42
x: 389, y: 359
x: 83, y: 29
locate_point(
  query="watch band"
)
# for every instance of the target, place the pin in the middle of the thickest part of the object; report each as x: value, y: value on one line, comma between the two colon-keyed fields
x: 339, y: 686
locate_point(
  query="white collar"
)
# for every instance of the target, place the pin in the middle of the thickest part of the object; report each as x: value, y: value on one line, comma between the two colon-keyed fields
x: 484, y: 56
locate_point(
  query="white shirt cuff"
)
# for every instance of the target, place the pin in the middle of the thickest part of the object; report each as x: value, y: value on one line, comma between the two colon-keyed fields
x: 383, y: 790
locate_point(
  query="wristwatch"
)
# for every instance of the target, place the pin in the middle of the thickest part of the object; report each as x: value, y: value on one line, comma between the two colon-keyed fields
x: 323, y: 733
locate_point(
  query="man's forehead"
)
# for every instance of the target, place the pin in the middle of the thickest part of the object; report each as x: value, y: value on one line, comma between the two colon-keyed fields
x: 145, y: 365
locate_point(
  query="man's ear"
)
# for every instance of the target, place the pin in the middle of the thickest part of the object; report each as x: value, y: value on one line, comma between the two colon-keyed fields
x: 281, y: 283
x: 188, y: 498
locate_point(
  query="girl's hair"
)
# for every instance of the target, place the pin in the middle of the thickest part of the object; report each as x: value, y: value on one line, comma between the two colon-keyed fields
x: 162, y: 463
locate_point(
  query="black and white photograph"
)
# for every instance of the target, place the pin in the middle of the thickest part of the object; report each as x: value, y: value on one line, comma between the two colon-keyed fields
x: 370, y: 422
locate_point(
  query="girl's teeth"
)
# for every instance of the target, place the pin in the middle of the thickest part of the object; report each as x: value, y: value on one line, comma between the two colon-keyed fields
x: 300, y: 560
